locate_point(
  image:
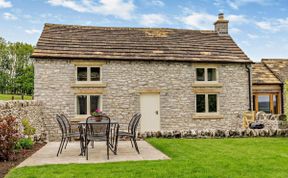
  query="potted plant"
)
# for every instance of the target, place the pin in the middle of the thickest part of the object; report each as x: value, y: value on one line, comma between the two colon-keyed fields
x: 97, y: 114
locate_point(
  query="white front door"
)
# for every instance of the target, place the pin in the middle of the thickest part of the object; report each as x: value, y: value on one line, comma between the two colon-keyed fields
x: 150, y: 110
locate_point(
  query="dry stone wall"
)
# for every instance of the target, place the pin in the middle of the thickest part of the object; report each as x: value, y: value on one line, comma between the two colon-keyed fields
x: 31, y: 110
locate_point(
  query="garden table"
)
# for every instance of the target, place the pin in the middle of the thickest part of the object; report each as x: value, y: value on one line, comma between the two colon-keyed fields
x: 114, y: 126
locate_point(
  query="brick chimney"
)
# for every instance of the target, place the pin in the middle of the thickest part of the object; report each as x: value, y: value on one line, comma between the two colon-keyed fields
x: 221, y: 25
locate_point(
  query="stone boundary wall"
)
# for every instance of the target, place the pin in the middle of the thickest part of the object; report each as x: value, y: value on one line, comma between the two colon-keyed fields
x: 30, y: 109
x: 241, y: 133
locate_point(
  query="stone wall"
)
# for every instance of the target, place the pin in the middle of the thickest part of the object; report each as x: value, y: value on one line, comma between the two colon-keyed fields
x: 285, y: 97
x: 54, y: 80
x: 32, y: 110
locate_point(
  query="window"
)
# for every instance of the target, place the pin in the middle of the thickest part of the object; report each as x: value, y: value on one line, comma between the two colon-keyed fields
x: 88, y: 74
x: 267, y: 102
x: 86, y: 104
x: 206, y: 74
x: 264, y: 103
x: 206, y: 103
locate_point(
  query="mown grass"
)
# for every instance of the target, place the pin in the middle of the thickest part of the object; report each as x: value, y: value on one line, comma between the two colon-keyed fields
x: 16, y: 97
x: 246, y: 157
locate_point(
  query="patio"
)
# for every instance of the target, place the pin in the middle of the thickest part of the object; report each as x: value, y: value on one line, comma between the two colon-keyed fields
x: 47, y: 154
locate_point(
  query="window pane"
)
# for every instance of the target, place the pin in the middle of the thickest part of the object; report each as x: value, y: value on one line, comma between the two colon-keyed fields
x: 200, y: 103
x: 254, y: 102
x: 200, y: 72
x: 211, y: 74
x: 264, y: 103
x: 212, y: 103
x: 94, y: 103
x: 81, y: 105
x: 82, y: 73
x: 95, y: 73
x: 275, y: 104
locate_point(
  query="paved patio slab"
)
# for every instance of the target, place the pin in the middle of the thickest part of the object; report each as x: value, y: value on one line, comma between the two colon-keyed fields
x: 47, y: 154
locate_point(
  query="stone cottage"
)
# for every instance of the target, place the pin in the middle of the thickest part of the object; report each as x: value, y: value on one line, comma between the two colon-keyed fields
x: 177, y: 78
x: 270, y: 86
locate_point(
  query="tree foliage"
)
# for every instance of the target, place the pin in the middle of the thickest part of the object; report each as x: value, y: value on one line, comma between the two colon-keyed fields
x: 16, y: 68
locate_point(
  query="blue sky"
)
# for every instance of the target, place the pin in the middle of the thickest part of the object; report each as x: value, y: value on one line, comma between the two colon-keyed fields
x: 260, y: 27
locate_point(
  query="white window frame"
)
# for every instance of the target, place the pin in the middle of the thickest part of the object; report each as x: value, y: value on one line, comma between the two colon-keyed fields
x: 88, y: 104
x: 206, y: 103
x: 206, y: 74
x: 88, y: 74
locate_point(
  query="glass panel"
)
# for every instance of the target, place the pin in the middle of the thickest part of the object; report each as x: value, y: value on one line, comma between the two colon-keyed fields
x: 200, y: 72
x: 254, y: 102
x: 95, y: 73
x: 200, y: 103
x: 275, y: 104
x: 81, y: 73
x: 211, y: 74
x: 212, y: 103
x: 82, y: 105
x: 264, y: 103
x: 94, y: 103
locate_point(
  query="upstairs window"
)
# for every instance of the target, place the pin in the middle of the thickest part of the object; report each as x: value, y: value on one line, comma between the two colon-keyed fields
x: 206, y: 74
x: 88, y: 74
x: 206, y: 103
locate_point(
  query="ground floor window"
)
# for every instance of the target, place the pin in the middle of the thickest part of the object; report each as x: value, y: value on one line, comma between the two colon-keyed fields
x: 267, y: 102
x: 206, y: 103
x: 86, y: 104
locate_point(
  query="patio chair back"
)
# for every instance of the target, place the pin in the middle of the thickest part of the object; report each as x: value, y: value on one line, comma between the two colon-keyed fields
x: 98, y: 130
x: 61, y: 125
x: 67, y: 123
x: 135, y: 124
x: 132, y: 122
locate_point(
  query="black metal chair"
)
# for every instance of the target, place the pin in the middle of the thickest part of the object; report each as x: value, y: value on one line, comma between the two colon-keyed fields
x: 98, y: 132
x: 66, y: 133
x: 69, y: 132
x: 132, y: 128
x: 63, y: 133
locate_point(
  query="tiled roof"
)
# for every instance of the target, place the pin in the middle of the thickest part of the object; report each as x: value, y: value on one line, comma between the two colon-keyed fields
x: 262, y: 75
x: 279, y: 67
x: 86, y: 42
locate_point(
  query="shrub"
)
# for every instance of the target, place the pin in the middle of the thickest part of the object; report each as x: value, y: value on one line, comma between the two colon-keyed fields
x: 24, y: 143
x: 9, y: 135
x: 28, y: 129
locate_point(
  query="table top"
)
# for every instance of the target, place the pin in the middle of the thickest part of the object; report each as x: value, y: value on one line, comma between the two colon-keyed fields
x: 97, y: 122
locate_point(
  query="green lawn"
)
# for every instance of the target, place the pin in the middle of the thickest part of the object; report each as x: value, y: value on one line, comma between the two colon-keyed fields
x: 246, y: 157
x: 16, y: 97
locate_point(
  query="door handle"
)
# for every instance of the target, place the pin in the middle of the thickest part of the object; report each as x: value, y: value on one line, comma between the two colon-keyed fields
x: 156, y: 112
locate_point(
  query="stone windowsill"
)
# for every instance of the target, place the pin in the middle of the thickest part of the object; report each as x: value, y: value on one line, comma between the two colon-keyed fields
x: 208, y: 116
x: 78, y: 118
x: 89, y: 85
x: 207, y: 84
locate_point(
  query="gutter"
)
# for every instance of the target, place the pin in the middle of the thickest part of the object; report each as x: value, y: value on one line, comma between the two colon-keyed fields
x: 248, y: 67
x: 282, y: 98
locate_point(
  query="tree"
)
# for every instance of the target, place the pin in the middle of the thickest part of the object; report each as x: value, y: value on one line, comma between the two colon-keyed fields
x: 16, y: 68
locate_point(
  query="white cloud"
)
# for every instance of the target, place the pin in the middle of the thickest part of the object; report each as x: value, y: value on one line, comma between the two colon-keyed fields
x: 264, y: 25
x: 199, y: 20
x: 32, y: 31
x: 234, y: 30
x: 235, y: 4
x: 252, y: 36
x: 237, y: 19
x: 153, y: 20
x: 274, y: 25
x: 9, y: 16
x: 119, y: 8
x: 158, y: 3
x: 5, y: 4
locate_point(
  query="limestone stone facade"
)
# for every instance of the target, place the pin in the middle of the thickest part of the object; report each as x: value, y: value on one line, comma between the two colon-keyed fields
x: 123, y: 81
